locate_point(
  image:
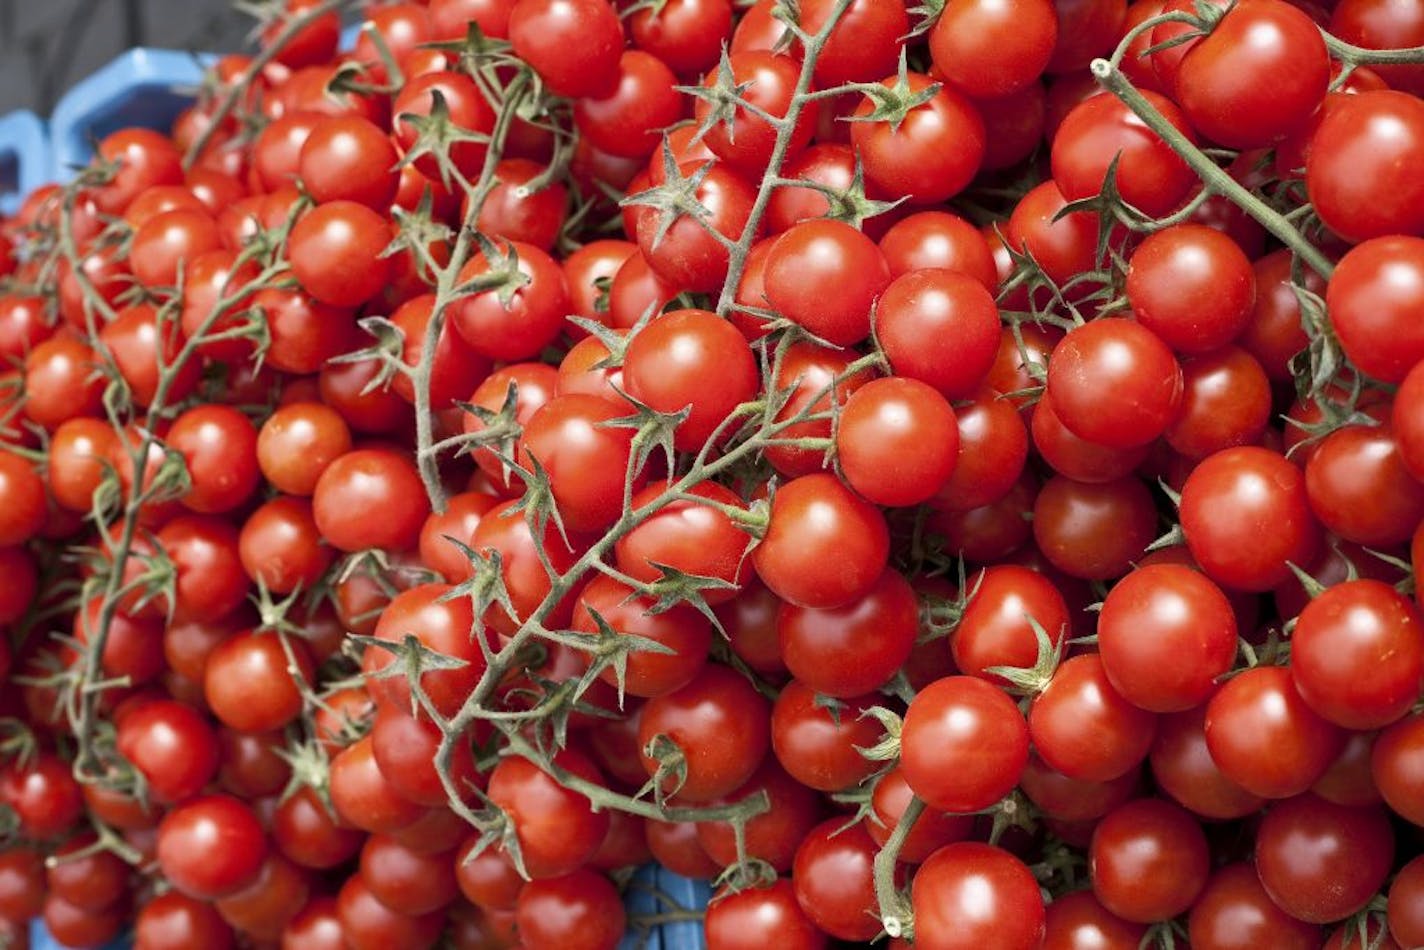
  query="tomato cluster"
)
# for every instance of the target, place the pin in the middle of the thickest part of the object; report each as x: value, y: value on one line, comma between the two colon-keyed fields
x: 951, y: 473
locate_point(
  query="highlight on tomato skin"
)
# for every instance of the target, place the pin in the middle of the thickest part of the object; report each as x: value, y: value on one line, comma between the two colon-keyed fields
x: 949, y: 475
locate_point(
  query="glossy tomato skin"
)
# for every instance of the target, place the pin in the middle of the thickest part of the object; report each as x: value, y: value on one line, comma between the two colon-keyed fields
x: 969, y: 895
x: 1082, y: 727
x: 990, y: 50
x: 964, y: 744
x: 558, y: 829
x: 996, y: 627
x: 365, y: 480
x: 337, y: 251
x: 1321, y: 862
x: 1116, y: 356
x: 681, y: 629
x: 1245, y: 513
x: 691, y: 537
x: 932, y: 155
x: 853, y: 649
x: 1376, y: 285
x: 897, y: 442
x: 1234, y: 912
x: 1192, y: 641
x: 720, y: 723
x: 1406, y: 904
x: 545, y: 32
x: 824, y: 547
x: 1251, y: 100
x: 1076, y: 921
x: 817, y: 748
x: 939, y: 327
x: 1264, y: 737
x: 1397, y: 767
x: 211, y: 847
x: 172, y: 746
x: 579, y: 911
x: 1357, y: 654
x: 1148, y: 860
x: 1192, y: 286
x: 833, y: 882
x: 813, y: 254
x: 749, y: 919
x: 1355, y: 171
x: 584, y: 458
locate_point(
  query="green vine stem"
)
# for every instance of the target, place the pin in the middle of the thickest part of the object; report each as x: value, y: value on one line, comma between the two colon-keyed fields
x: 894, y: 915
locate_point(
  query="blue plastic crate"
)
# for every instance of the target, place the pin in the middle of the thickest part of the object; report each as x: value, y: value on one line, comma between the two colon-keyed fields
x: 142, y: 87
x: 25, y: 159
x: 692, y: 895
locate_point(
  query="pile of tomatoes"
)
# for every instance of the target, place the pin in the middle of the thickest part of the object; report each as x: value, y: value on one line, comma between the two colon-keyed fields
x: 951, y: 475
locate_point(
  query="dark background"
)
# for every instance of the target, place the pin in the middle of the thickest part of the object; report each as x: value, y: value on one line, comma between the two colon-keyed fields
x: 48, y: 45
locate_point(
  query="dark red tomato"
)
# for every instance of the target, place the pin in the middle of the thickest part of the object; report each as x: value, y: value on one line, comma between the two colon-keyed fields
x: 107, y: 275
x: 1348, y: 781
x: 305, y: 831
x: 997, y: 626
x: 62, y: 382
x: 1397, y: 765
x: 514, y: 211
x: 687, y: 35
x: 990, y: 50
x: 22, y: 579
x: 830, y: 165
x: 312, y: 44
x: 1193, y: 639
x: 172, y: 746
x: 88, y: 877
x: 864, y: 45
x: 403, y: 29
x: 1265, y: 738
x: 133, y: 646
x: 514, y: 322
x: 964, y: 744
x: 530, y: 385
x: 219, y: 447
x: 694, y: 538
x: 930, y: 156
x: 1065, y: 799
x: 1102, y: 130
x: 774, y: 835
x: 363, y: 797
x: 276, y: 160
x: 691, y: 253
x: 507, y: 531
x: 1148, y: 860
x: 675, y: 846
x: 816, y: 376
x: 818, y: 741
x: 23, y: 326
x: 216, y: 285
x: 853, y: 649
x: 211, y: 847
x: 139, y: 346
x: 458, y: 522
x: 758, y: 917
x: 939, y: 240
x: 928, y: 833
x: 44, y: 796
x: 824, y: 547
x: 1360, y: 489
x: 249, y: 681
x: 315, y: 927
x: 993, y: 531
x: 574, y: 45
x: 1246, y: 517
x: 897, y: 441
x: 368, y: 924
x: 1375, y: 288
x: 637, y: 290
x: 1226, y: 401
x: 1377, y: 25
x: 585, y: 459
x: 680, y: 629
x: 22, y: 882
x: 557, y: 828
x: 367, y: 480
x: 1406, y: 424
x: 1192, y: 286
x: 466, y: 110
x: 627, y: 120
x: 1084, y: 728
x: 251, y: 764
x: 455, y: 369
x: 833, y: 880
x: 1076, y: 921
x: 939, y: 327
x: 175, y: 921
x: 337, y: 253
x: 205, y: 551
x: 586, y: 268
x: 405, y: 749
x: 1321, y: 862
x: 22, y: 499
x: 72, y: 926
x: 1255, y: 99
x: 488, y: 878
x: 1115, y: 383
x: 271, y: 902
x: 1357, y: 654
x: 746, y: 142
x: 405, y: 881
x: 695, y: 360
x: 720, y: 727
x: 578, y: 911
x: 1093, y: 531
x: 969, y: 895
x: 993, y: 447
x: 1406, y: 904
x: 75, y: 469
x: 444, y: 625
x: 1234, y: 912
x: 161, y: 245
x: 143, y: 160
x: 281, y: 547
x: 1355, y: 174
x: 818, y: 253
